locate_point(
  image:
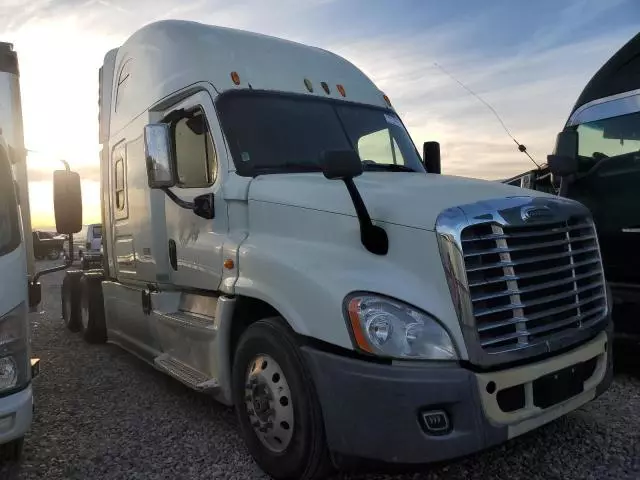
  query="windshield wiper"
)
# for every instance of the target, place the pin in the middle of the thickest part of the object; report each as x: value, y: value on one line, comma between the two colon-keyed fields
x: 386, y: 167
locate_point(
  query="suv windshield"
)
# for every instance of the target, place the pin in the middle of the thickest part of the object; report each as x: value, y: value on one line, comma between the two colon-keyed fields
x: 97, y: 231
x: 272, y: 133
x: 610, y: 137
x: 9, y: 222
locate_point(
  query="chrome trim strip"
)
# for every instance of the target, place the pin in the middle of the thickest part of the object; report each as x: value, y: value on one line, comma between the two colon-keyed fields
x: 607, y: 107
x: 507, y: 212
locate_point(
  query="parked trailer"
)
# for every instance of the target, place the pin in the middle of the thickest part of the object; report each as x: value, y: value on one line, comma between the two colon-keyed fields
x: 272, y: 238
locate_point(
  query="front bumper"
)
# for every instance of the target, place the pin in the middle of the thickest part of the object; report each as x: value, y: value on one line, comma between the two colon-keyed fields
x: 376, y: 411
x: 16, y: 411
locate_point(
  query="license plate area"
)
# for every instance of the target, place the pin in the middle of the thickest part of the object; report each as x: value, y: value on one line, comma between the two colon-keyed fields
x: 563, y: 384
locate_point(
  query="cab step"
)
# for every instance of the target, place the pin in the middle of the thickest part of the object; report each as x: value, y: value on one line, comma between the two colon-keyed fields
x: 185, y: 374
x: 190, y: 320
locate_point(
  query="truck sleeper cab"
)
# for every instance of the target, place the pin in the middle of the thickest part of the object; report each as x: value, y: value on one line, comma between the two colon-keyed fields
x: 601, y: 144
x: 272, y: 238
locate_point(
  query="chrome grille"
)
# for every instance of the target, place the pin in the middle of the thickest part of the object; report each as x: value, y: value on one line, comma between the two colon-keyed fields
x: 530, y: 283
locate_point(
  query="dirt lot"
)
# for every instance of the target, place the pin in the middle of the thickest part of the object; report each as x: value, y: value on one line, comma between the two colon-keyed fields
x: 103, y: 414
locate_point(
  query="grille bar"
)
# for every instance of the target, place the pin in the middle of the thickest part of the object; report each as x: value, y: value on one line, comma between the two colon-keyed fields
x: 533, y: 246
x: 537, y: 273
x: 551, y: 231
x: 491, y: 326
x: 539, y: 301
x: 541, y: 258
x: 534, y: 288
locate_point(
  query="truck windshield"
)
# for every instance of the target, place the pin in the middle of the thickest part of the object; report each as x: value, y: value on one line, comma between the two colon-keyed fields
x: 272, y: 133
x: 9, y: 221
x: 608, y: 138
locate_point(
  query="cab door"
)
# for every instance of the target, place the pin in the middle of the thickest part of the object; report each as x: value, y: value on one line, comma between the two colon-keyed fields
x: 194, y: 243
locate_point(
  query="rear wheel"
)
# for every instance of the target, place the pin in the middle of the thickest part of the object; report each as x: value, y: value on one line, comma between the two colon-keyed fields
x: 70, y: 298
x: 11, y: 451
x: 92, y: 319
x: 276, y: 403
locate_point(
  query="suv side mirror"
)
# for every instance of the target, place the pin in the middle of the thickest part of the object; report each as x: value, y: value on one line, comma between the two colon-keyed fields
x: 341, y: 164
x: 67, y: 201
x: 159, y: 155
x: 564, y: 160
x: 431, y: 157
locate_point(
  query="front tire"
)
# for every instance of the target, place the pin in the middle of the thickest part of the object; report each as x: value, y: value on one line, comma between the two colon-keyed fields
x: 53, y: 254
x: 92, y: 319
x: 12, y: 451
x: 277, y: 405
x: 70, y: 299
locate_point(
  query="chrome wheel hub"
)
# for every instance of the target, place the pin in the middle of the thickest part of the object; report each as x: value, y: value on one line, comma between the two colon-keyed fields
x: 268, y: 403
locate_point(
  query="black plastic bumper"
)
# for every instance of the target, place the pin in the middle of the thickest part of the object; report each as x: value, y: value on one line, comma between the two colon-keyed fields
x: 375, y: 411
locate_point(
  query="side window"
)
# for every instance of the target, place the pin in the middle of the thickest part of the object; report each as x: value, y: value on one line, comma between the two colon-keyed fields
x: 196, y: 161
x: 120, y: 182
x: 380, y: 147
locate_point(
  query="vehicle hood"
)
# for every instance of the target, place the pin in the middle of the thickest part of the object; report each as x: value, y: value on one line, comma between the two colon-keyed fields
x: 402, y: 198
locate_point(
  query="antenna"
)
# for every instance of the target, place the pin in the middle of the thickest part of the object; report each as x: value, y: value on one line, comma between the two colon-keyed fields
x: 521, y: 147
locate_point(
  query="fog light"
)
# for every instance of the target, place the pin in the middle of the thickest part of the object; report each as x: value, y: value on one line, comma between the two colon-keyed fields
x: 8, y: 373
x: 435, y: 422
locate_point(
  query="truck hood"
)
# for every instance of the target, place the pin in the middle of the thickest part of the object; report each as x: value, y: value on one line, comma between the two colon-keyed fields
x: 402, y: 198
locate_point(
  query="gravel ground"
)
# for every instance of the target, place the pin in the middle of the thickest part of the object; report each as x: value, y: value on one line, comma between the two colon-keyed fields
x: 103, y: 414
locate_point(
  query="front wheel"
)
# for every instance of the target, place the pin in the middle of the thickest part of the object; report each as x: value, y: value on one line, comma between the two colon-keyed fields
x: 53, y: 254
x: 70, y: 299
x: 11, y: 451
x: 276, y: 403
x: 93, y: 325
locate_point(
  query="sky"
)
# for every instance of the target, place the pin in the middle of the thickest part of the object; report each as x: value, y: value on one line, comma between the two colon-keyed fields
x: 529, y: 60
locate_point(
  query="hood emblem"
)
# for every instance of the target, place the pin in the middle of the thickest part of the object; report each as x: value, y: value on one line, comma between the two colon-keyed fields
x: 536, y: 214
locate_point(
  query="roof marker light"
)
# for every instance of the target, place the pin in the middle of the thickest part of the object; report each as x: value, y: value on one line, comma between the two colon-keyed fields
x: 325, y: 87
x: 307, y: 83
x: 386, y: 99
x: 235, y: 78
x: 341, y: 90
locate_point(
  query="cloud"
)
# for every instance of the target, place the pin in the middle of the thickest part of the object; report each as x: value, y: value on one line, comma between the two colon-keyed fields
x: 531, y: 73
x: 532, y: 89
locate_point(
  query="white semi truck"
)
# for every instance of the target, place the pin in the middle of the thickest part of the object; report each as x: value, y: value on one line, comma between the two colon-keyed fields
x: 19, y: 289
x: 273, y: 238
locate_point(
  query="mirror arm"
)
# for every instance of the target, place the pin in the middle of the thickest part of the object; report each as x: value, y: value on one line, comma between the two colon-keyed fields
x: 177, y: 200
x: 373, y: 237
x: 64, y: 266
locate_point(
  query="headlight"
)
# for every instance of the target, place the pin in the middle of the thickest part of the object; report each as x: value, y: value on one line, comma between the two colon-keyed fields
x: 390, y: 328
x: 14, y: 359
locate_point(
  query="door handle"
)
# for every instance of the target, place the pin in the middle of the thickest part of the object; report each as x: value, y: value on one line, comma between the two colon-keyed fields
x: 173, y: 254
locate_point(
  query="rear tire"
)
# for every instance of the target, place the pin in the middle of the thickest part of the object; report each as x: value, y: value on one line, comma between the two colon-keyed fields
x: 271, y: 382
x: 92, y: 320
x: 70, y: 298
x: 11, y: 451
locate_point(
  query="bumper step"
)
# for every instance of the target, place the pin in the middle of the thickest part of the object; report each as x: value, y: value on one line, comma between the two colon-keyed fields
x: 185, y: 374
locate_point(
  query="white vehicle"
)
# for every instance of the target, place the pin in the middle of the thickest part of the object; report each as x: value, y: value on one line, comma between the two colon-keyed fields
x: 18, y: 290
x: 94, y: 238
x: 92, y: 255
x: 272, y: 238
